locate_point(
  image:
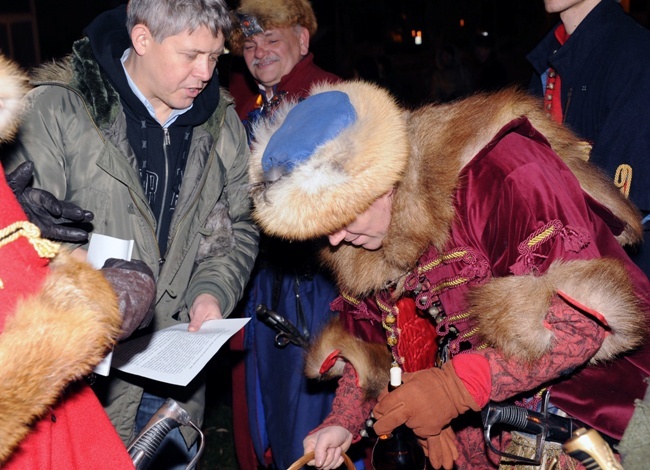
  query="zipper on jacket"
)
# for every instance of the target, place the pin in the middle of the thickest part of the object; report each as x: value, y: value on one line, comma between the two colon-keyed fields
x: 204, y: 178
x: 166, y: 144
x: 153, y: 231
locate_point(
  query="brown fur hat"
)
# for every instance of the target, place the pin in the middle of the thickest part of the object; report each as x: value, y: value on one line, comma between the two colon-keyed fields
x: 272, y: 14
x: 342, y: 177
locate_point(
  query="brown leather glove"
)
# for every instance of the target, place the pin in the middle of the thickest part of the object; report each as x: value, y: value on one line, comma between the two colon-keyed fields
x: 441, y: 449
x: 134, y: 284
x: 426, y: 402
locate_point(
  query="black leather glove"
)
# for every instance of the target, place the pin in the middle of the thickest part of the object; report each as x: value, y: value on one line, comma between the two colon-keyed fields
x: 134, y: 284
x: 45, y: 211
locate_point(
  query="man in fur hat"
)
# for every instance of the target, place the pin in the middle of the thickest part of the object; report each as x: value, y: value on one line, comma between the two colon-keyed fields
x: 273, y: 37
x: 479, y: 222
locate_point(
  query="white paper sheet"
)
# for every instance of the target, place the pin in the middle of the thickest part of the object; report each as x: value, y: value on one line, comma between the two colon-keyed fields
x: 175, y: 355
x: 100, y: 248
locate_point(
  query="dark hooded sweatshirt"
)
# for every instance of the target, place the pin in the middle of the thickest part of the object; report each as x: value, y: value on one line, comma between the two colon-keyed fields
x: 161, y: 153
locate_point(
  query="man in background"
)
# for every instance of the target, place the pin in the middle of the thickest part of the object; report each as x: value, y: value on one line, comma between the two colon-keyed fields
x: 593, y: 71
x: 274, y: 404
x: 132, y: 127
x: 273, y: 37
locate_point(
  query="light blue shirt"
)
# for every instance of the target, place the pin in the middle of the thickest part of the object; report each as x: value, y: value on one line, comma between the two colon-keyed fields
x: 175, y: 112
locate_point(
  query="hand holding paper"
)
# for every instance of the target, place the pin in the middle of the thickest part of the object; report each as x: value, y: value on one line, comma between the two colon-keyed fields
x: 175, y: 355
x: 205, y: 307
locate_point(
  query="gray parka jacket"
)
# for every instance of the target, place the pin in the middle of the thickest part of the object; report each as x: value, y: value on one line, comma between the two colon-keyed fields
x: 75, y: 133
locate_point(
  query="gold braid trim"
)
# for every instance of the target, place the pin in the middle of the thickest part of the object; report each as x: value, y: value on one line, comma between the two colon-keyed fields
x: 623, y: 179
x: 44, y: 248
x: 453, y: 255
x: 542, y: 236
x: 350, y: 299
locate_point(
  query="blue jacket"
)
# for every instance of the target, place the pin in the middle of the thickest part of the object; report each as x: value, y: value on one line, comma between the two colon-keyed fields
x: 284, y: 406
x: 605, y: 76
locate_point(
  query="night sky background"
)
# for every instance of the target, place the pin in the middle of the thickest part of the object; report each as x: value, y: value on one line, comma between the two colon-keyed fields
x: 368, y: 38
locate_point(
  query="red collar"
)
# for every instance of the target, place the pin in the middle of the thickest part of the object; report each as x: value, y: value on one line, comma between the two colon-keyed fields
x: 561, y: 34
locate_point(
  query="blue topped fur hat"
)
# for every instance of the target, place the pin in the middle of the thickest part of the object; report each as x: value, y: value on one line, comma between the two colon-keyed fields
x: 317, y: 164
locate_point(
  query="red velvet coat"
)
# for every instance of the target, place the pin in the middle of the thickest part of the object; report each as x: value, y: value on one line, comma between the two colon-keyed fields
x: 57, y: 320
x: 514, y: 259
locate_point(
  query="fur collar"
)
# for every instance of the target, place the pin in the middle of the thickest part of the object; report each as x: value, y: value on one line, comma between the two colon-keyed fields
x: 81, y: 72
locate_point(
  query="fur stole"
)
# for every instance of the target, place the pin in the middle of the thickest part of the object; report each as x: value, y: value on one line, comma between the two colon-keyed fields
x: 334, y: 346
x: 54, y: 337
x: 443, y: 139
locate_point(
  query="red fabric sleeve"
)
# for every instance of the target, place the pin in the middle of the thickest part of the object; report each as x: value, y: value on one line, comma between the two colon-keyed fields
x: 350, y: 409
x: 577, y: 339
x: 474, y: 371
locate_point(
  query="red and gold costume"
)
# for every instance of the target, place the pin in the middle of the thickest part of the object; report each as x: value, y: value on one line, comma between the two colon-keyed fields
x: 58, y: 318
x: 507, y: 241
